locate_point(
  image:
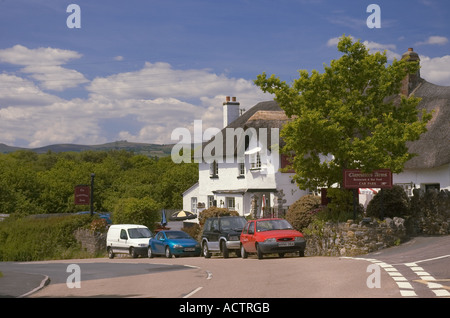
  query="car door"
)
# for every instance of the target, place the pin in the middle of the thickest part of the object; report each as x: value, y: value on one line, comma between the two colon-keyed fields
x: 158, y: 243
x: 244, y: 235
x: 250, y: 238
x: 213, y: 237
x: 122, y: 246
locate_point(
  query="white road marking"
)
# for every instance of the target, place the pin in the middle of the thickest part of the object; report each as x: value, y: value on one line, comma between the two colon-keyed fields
x: 192, y: 292
x: 437, y: 289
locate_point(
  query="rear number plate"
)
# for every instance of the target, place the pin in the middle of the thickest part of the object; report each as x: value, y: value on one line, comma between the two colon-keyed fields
x: 189, y: 249
x: 284, y: 244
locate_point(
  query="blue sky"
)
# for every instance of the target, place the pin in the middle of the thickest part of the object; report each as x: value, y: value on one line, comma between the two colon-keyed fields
x: 136, y: 69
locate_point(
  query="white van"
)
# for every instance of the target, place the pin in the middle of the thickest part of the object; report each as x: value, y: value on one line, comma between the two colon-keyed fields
x: 129, y: 239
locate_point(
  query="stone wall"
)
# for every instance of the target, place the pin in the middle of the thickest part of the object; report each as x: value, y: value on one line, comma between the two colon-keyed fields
x: 350, y: 239
x: 430, y: 215
x: 93, y: 242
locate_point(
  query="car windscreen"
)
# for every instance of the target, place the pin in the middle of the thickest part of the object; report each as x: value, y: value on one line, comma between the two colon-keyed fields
x: 269, y: 225
x: 177, y: 235
x: 140, y: 232
x: 233, y: 223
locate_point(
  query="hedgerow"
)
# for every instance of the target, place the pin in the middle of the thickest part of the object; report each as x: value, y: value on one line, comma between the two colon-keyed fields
x: 34, y: 239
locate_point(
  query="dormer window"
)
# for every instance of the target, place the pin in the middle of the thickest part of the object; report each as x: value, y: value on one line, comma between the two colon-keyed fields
x: 255, y: 161
x: 214, y: 170
x: 241, y: 170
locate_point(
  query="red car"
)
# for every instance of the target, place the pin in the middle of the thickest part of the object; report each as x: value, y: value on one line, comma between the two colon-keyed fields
x: 264, y: 236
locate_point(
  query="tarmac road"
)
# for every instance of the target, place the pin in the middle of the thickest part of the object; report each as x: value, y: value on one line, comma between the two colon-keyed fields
x: 196, y: 277
x: 289, y: 277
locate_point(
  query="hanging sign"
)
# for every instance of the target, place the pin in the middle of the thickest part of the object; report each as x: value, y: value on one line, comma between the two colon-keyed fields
x: 82, y: 195
x: 355, y: 178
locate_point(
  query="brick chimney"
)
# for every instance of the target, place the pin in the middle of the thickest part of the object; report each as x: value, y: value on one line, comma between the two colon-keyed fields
x: 410, y: 82
x: 230, y: 110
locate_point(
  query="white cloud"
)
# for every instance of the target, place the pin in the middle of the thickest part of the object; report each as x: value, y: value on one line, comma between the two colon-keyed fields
x: 44, y: 65
x: 143, y: 106
x: 434, y: 40
x: 21, y: 55
x: 436, y: 70
x: 16, y: 91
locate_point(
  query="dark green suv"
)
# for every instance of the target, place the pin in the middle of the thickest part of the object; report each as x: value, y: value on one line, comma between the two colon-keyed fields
x: 221, y: 235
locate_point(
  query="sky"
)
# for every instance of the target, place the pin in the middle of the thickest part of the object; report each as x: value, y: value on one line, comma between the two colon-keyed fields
x: 138, y: 69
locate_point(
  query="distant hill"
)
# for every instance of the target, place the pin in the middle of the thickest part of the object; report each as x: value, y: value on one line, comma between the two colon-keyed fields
x: 150, y: 150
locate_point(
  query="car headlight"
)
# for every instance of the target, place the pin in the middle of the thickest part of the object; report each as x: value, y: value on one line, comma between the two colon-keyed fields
x: 142, y: 245
x: 299, y: 239
x: 270, y: 240
x: 177, y: 246
x: 233, y: 238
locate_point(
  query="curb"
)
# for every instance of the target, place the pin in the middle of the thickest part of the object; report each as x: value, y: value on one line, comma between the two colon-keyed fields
x: 43, y: 283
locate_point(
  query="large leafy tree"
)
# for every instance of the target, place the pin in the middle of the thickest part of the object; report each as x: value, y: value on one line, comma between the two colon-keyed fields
x: 349, y: 116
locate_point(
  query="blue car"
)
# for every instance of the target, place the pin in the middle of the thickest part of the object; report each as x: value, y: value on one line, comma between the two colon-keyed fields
x: 173, y: 243
x: 102, y: 215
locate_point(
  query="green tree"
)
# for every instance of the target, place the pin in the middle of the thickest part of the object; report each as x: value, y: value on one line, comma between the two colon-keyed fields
x: 143, y: 211
x: 347, y: 116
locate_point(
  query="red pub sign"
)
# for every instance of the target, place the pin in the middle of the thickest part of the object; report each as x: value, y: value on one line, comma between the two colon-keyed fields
x: 82, y: 195
x: 355, y: 178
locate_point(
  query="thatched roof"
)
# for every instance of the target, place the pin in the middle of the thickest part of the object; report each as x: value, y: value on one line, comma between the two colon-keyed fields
x: 263, y: 115
x: 433, y: 147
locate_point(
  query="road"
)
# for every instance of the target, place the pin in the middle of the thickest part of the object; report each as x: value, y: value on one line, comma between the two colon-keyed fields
x: 419, y: 268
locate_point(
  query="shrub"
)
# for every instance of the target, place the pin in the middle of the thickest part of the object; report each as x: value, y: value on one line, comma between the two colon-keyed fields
x: 389, y: 203
x: 301, y: 213
x: 31, y: 239
x: 143, y: 211
x: 99, y: 225
x: 212, y: 212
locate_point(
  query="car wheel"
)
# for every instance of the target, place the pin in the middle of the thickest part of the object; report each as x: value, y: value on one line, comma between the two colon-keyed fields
x: 244, y: 253
x: 281, y: 255
x: 150, y: 252
x: 224, y: 249
x: 301, y: 253
x: 133, y: 253
x: 206, y: 252
x: 110, y: 253
x: 168, y: 253
x: 259, y: 252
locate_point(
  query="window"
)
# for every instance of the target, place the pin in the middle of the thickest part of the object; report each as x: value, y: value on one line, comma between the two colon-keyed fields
x: 230, y: 203
x: 241, y: 170
x: 211, y: 201
x: 255, y: 161
x: 214, y: 170
x: 433, y: 186
x: 194, y: 204
x: 251, y: 228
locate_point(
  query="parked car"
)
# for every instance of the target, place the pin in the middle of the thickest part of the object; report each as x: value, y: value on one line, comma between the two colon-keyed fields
x: 265, y: 236
x: 103, y: 215
x: 129, y: 239
x: 173, y: 243
x: 221, y: 235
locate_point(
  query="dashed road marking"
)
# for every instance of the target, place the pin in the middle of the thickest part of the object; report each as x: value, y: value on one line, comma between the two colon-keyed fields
x: 406, y: 289
x: 438, y: 289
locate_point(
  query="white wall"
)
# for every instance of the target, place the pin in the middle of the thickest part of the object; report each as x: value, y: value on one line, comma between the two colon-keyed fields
x: 421, y: 177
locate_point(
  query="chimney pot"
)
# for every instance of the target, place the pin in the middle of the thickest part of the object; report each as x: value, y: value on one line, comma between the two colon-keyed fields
x: 233, y: 99
x: 228, y: 98
x: 410, y: 49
